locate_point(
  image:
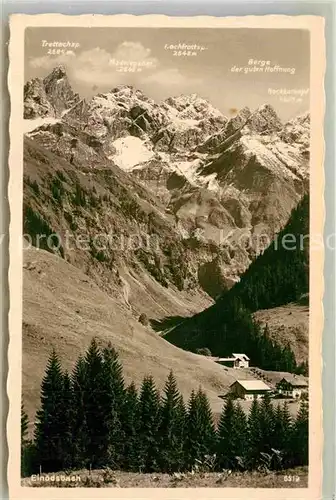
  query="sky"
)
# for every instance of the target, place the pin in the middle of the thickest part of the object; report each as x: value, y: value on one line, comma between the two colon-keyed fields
x: 230, y: 67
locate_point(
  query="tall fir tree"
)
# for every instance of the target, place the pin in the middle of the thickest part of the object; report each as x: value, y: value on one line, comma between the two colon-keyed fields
x: 300, y: 436
x: 171, y: 428
x: 48, y: 438
x: 149, y: 422
x: 209, y: 436
x: 24, y: 426
x: 182, y: 424
x: 282, y: 433
x: 254, y: 435
x: 232, y: 436
x: 130, y: 427
x: 200, y: 436
x: 266, y: 422
x: 227, y: 436
x: 241, y: 431
x: 80, y: 430
x: 94, y: 401
x: 27, y: 447
x: 113, y: 395
x: 67, y: 409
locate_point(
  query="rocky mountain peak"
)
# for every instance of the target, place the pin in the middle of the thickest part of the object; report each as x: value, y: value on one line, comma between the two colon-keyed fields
x: 191, y: 106
x: 265, y: 120
x: 36, y: 103
x: 297, y: 131
x: 183, y: 100
x: 128, y: 91
x: 59, y: 90
x: 238, y: 121
x: 57, y: 73
x: 49, y: 97
x: 303, y: 119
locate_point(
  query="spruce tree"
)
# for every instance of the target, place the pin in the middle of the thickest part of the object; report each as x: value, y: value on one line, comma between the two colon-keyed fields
x: 207, y: 420
x: 149, y: 422
x: 27, y: 448
x: 300, y: 436
x: 171, y: 430
x: 182, y: 425
x: 227, y: 436
x: 112, y: 394
x: 80, y: 431
x: 67, y: 409
x: 231, y: 436
x: 254, y: 435
x: 193, y: 430
x: 48, y: 438
x: 200, y: 439
x: 130, y: 427
x: 266, y: 422
x: 94, y: 401
x: 282, y: 433
x: 24, y: 426
x: 241, y: 432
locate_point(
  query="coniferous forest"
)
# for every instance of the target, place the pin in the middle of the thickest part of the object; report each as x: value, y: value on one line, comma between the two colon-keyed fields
x: 278, y: 276
x: 90, y: 419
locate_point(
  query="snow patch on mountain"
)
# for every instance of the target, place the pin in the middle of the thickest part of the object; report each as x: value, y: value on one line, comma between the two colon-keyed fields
x: 274, y: 157
x: 191, y: 106
x: 130, y: 152
x: 30, y: 125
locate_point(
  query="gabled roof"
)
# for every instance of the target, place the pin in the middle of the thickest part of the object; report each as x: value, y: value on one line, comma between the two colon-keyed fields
x: 243, y: 356
x: 294, y: 380
x: 253, y: 385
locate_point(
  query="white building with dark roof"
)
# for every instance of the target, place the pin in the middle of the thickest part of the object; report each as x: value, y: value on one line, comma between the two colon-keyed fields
x: 235, y: 361
x: 292, y: 386
x: 249, y: 389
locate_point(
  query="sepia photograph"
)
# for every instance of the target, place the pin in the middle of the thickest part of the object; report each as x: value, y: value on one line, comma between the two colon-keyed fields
x: 165, y: 207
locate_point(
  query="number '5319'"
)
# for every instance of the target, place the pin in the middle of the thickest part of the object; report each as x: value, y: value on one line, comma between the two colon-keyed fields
x: 291, y: 479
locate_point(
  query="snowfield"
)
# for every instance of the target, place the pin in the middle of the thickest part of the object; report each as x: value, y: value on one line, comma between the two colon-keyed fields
x: 30, y: 125
x: 130, y: 151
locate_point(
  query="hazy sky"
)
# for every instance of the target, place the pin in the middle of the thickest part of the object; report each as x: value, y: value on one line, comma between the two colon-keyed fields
x: 91, y: 64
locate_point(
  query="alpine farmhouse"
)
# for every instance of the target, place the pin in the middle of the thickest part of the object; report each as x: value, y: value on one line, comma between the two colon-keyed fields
x: 235, y: 361
x: 249, y: 389
x: 292, y: 386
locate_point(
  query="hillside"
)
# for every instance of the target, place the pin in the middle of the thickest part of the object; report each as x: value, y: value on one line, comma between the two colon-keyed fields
x: 277, y: 277
x: 64, y: 308
x: 114, y: 230
x: 76, y: 310
x: 288, y: 324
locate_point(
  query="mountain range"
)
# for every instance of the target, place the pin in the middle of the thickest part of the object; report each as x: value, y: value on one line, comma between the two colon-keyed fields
x: 228, y: 183
x: 180, y: 199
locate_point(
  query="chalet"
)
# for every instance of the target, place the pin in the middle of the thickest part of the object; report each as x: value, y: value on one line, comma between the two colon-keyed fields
x: 249, y: 389
x: 292, y: 386
x: 235, y: 361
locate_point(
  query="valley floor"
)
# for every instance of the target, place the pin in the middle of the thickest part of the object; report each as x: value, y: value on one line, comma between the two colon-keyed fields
x: 293, y: 478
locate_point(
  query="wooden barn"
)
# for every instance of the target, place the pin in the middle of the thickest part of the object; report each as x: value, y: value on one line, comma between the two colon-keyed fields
x: 249, y: 389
